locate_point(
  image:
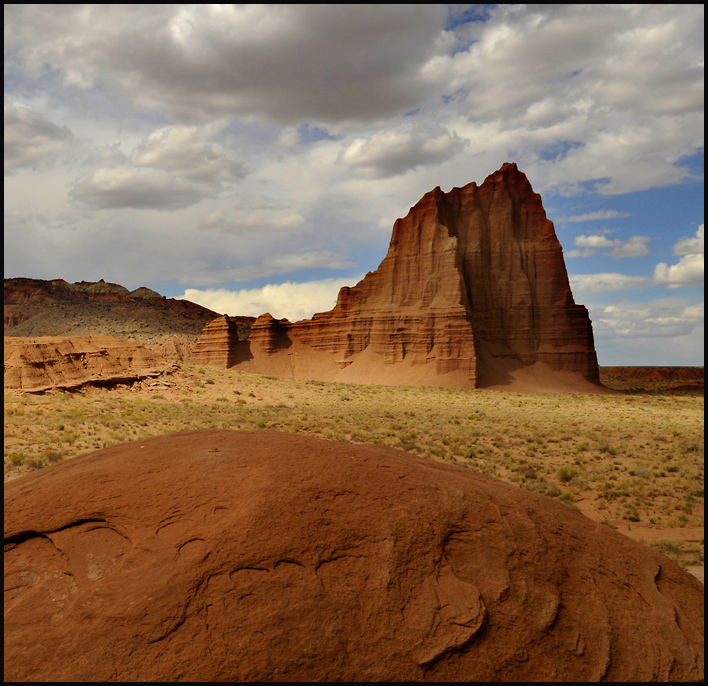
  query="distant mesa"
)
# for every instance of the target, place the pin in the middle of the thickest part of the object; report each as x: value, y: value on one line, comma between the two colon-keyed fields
x: 473, y: 293
x: 228, y: 556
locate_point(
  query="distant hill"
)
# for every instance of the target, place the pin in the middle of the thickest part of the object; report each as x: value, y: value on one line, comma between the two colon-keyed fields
x: 35, y: 307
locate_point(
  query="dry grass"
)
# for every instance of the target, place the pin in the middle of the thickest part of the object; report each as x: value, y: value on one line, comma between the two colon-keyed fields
x: 632, y: 461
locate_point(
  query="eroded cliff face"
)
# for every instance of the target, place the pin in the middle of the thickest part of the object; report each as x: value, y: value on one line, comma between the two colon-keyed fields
x: 41, y: 364
x: 472, y: 293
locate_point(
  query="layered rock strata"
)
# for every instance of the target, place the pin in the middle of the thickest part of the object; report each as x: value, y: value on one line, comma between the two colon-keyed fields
x: 38, y: 308
x: 250, y: 557
x: 217, y: 345
x: 40, y: 364
x: 473, y: 292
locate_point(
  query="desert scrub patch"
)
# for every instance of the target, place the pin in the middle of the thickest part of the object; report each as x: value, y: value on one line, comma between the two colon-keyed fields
x: 566, y: 474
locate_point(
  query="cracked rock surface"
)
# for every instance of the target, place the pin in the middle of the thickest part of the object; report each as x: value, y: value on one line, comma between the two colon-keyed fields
x: 230, y: 556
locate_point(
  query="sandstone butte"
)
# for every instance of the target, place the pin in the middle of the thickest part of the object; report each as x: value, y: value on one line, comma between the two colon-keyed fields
x: 228, y: 556
x: 39, y: 364
x: 473, y: 293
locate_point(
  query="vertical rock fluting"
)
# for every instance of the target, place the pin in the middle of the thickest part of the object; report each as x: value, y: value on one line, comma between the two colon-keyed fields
x: 472, y: 290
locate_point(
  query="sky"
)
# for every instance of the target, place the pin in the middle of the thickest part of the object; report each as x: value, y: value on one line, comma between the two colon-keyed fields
x: 253, y: 158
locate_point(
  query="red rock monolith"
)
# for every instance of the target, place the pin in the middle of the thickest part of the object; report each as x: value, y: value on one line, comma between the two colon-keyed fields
x: 225, y: 556
x: 472, y: 293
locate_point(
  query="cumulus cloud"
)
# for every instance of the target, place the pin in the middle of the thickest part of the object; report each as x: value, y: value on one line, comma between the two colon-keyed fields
x: 395, y: 152
x: 293, y: 301
x: 145, y: 189
x: 690, y: 246
x: 186, y: 151
x: 173, y: 168
x: 30, y: 137
x: 687, y: 272
x: 595, y: 241
x: 609, y: 281
x: 636, y: 246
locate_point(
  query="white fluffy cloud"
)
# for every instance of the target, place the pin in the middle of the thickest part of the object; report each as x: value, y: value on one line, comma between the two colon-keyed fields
x: 293, y: 301
x: 635, y: 246
x: 596, y: 242
x: 690, y: 246
x: 687, y: 272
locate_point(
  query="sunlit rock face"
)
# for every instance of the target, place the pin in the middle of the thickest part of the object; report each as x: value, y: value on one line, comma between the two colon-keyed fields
x: 40, y: 364
x: 472, y: 293
x: 248, y: 557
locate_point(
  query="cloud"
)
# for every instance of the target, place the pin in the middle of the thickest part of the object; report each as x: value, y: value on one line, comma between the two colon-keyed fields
x: 185, y: 151
x: 173, y: 168
x: 687, y: 272
x: 655, y: 319
x: 588, y: 252
x: 293, y: 301
x: 30, y: 137
x: 634, y: 247
x: 593, y: 216
x: 315, y: 259
x: 609, y: 281
x: 288, y: 62
x: 395, y: 152
x: 145, y: 189
x: 690, y: 246
x: 596, y: 241
x: 257, y: 220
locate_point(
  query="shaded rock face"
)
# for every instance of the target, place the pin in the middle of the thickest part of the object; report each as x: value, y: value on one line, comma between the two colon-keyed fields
x: 473, y: 288
x: 38, y: 364
x: 226, y: 556
x: 217, y: 345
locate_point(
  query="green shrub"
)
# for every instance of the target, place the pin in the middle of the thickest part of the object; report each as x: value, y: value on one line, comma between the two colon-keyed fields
x: 566, y: 474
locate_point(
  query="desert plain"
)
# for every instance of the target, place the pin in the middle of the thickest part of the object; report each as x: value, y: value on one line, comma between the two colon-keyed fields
x: 633, y: 460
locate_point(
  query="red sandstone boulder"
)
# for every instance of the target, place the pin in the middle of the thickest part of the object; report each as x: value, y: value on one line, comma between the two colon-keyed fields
x: 262, y: 556
x: 472, y: 293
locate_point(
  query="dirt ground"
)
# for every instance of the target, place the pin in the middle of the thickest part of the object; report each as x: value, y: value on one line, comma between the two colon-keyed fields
x: 631, y: 461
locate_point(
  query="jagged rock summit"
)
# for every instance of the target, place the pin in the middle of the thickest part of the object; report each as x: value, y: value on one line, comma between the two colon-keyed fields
x: 472, y: 293
x: 228, y: 556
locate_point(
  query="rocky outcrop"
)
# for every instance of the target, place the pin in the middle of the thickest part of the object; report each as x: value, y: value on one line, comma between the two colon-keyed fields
x: 226, y: 556
x: 472, y: 293
x: 218, y: 343
x: 40, y: 364
x: 170, y: 327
